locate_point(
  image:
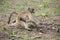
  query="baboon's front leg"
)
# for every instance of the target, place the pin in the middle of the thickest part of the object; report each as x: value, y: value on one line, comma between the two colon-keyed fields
x: 26, y: 26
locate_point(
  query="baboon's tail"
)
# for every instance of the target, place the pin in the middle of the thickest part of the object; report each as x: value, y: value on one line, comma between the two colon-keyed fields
x: 11, y: 16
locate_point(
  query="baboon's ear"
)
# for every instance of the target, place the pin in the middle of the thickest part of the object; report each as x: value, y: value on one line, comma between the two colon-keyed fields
x: 31, y: 10
x: 28, y: 9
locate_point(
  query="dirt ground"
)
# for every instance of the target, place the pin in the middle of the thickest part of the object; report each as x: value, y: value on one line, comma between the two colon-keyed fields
x: 49, y: 25
x: 47, y: 31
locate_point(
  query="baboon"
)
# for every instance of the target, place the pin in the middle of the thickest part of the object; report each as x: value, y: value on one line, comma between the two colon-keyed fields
x: 23, y: 15
x: 24, y: 18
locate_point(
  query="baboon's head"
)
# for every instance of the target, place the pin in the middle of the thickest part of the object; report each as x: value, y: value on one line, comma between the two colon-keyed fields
x: 31, y: 10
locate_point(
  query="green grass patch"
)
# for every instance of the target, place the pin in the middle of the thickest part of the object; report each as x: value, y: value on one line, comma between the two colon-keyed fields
x: 45, y: 4
x: 48, y: 13
x: 6, y: 3
x: 1, y: 8
x: 12, y: 33
x: 4, y: 27
x: 57, y: 11
x: 52, y: 0
x: 19, y: 8
x: 25, y: 37
x: 5, y: 6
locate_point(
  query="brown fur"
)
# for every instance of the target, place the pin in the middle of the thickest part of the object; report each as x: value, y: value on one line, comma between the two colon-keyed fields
x: 23, y: 17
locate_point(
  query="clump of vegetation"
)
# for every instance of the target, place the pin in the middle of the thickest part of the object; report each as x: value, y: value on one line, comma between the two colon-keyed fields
x: 25, y: 37
x: 12, y: 33
x: 6, y: 3
x: 1, y: 8
x: 57, y: 11
x: 4, y: 27
x: 45, y: 4
x: 5, y: 6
